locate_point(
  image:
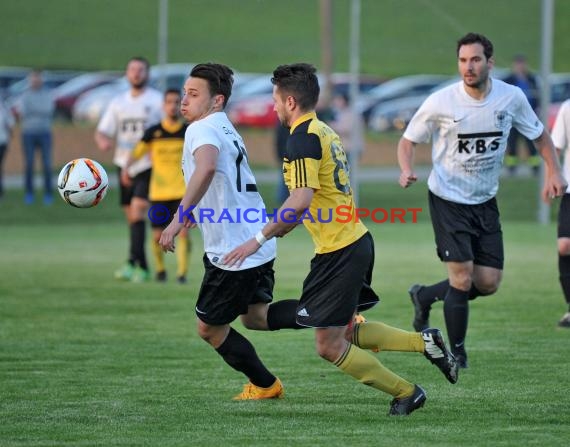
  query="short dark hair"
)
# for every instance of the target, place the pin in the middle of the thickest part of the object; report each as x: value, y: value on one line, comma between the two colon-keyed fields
x: 141, y: 59
x: 300, y: 81
x: 219, y: 77
x: 171, y: 91
x: 471, y: 38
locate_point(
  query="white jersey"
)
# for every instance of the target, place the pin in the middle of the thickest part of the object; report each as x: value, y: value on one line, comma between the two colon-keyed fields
x: 469, y: 138
x: 561, y: 136
x: 126, y: 118
x: 222, y: 214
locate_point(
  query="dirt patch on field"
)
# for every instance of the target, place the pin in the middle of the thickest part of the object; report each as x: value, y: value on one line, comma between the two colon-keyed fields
x: 73, y: 142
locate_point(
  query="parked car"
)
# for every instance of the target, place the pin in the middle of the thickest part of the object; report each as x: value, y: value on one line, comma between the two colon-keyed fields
x: 51, y: 80
x: 400, y: 87
x: 256, y: 110
x: 9, y: 76
x: 396, y: 114
x: 90, y: 106
x: 67, y: 93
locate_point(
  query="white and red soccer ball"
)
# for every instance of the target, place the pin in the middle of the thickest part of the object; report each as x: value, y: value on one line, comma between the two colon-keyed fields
x: 82, y: 183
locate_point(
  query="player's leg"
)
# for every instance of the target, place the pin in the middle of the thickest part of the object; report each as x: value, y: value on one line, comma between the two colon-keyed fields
x: 456, y: 308
x: 511, y: 157
x: 158, y: 254
x: 3, y: 148
x: 182, y: 250
x: 125, y: 273
x: 29, y: 150
x: 265, y: 315
x: 138, y: 210
x: 534, y: 159
x: 564, y: 255
x: 223, y: 296
x: 364, y: 367
x: 45, y: 140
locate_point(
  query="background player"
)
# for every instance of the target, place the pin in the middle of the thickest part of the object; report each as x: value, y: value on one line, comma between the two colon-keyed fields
x: 468, y: 123
x: 125, y: 120
x: 164, y: 142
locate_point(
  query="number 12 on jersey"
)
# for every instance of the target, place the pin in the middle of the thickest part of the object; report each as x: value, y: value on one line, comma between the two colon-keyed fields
x: 249, y: 187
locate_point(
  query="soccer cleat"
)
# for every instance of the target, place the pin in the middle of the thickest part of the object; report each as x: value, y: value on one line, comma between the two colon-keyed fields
x: 181, y: 279
x: 140, y: 275
x: 125, y: 273
x: 161, y: 276
x: 253, y: 392
x: 461, y: 359
x: 565, y: 320
x: 437, y: 353
x: 405, y: 405
x: 421, y: 314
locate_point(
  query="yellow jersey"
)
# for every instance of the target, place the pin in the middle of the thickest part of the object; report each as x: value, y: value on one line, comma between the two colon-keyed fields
x: 316, y: 159
x: 164, y: 142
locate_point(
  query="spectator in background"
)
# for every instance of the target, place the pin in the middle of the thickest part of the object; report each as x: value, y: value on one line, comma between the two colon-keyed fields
x: 343, y: 124
x: 522, y: 77
x: 6, y: 126
x: 35, y: 110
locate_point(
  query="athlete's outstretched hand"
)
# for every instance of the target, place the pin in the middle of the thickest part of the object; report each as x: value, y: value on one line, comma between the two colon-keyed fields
x: 235, y: 257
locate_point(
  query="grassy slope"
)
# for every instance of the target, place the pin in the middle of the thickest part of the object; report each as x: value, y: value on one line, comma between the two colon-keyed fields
x: 398, y: 36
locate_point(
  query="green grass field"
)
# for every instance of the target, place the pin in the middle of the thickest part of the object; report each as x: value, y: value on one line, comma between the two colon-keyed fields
x: 85, y: 360
x: 398, y: 36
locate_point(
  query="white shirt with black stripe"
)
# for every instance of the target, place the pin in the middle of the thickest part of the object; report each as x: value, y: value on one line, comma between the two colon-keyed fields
x: 561, y: 136
x: 469, y: 138
x: 232, y: 210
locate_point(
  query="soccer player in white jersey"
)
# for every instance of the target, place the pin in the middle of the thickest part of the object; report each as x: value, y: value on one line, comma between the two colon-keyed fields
x: 469, y: 123
x: 125, y: 120
x: 561, y: 139
x: 220, y: 184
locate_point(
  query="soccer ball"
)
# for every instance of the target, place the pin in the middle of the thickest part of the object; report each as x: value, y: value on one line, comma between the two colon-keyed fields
x: 82, y: 183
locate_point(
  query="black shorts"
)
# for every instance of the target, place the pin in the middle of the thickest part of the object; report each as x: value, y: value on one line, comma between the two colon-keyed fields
x: 338, y: 285
x: 225, y: 294
x: 161, y: 212
x: 564, y: 216
x: 138, y: 188
x: 467, y: 232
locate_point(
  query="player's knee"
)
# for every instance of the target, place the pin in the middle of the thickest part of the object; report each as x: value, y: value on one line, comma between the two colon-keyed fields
x: 461, y: 282
x: 488, y: 286
x: 253, y: 323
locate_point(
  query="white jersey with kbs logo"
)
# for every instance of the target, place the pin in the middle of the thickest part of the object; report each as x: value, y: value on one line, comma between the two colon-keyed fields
x: 126, y: 118
x: 232, y: 210
x: 469, y: 138
x: 561, y: 136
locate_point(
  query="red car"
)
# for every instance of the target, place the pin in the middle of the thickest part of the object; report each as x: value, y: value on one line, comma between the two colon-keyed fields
x: 257, y: 110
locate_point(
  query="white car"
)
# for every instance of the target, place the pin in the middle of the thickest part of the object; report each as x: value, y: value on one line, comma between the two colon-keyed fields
x: 90, y: 106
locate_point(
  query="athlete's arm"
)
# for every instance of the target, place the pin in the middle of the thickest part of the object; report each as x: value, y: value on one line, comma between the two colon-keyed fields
x: 206, y: 159
x: 104, y: 142
x: 406, y: 149
x: 554, y: 183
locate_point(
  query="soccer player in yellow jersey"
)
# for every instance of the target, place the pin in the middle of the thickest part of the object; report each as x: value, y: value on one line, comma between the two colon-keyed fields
x: 165, y: 141
x: 338, y: 284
